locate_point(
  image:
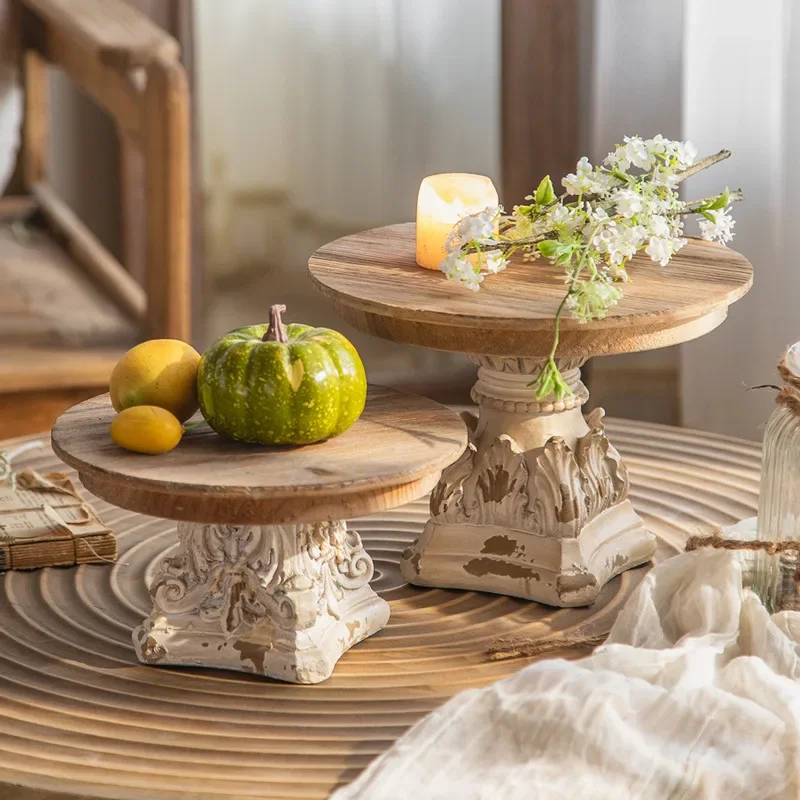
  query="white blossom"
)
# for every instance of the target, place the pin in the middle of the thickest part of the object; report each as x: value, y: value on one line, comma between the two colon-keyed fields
x: 686, y: 154
x: 584, y: 180
x: 620, y: 243
x: 596, y: 215
x: 659, y: 249
x: 459, y: 268
x: 477, y: 227
x: 496, y: 261
x: 627, y: 201
x: 618, y: 160
x: 662, y: 176
x: 659, y: 226
x: 570, y: 218
x: 658, y: 145
x: 638, y: 153
x: 721, y: 229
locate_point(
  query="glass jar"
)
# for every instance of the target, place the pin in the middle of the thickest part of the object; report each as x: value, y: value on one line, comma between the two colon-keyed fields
x: 774, y: 578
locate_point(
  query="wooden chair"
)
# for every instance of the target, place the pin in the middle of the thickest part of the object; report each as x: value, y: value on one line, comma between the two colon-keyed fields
x: 68, y: 308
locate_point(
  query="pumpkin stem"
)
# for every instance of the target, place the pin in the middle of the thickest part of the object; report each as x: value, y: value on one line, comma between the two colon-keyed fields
x: 277, y: 330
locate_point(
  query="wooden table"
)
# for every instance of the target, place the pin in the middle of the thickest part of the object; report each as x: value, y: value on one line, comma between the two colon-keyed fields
x: 537, y: 506
x: 81, y: 716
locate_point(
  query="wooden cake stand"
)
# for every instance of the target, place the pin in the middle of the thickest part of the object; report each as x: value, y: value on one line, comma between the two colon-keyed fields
x: 264, y: 581
x: 537, y: 506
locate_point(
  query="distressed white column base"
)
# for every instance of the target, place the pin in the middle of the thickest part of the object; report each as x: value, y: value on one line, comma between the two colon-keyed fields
x: 537, y: 506
x: 282, y: 601
x: 557, y: 572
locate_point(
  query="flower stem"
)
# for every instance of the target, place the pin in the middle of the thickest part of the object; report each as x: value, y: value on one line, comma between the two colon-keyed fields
x: 691, y: 207
x: 703, y: 163
x: 516, y: 243
x: 573, y: 280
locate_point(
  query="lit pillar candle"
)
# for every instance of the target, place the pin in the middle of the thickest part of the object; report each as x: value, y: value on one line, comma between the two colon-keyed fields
x: 443, y: 201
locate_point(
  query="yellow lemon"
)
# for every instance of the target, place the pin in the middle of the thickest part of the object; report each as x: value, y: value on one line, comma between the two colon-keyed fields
x: 146, y: 429
x: 160, y: 372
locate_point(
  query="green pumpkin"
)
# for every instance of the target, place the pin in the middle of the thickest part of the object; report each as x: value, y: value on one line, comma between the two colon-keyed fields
x: 275, y: 384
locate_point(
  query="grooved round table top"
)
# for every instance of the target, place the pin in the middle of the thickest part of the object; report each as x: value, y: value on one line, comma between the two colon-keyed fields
x: 391, y: 455
x: 82, y: 717
x: 377, y: 287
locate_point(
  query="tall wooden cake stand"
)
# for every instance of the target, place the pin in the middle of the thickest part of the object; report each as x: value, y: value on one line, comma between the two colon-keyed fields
x: 263, y: 580
x: 537, y: 506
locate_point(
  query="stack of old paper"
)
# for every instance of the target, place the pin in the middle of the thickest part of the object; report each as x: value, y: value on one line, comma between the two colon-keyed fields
x: 44, y: 522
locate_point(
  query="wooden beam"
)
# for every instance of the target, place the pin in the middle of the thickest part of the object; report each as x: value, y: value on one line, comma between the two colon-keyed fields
x: 99, y: 44
x: 540, y: 94
x: 35, y: 143
x: 103, y: 269
x: 39, y: 369
x: 111, y: 89
x: 167, y: 171
x: 176, y: 17
x: 16, y: 206
x: 183, y: 27
x: 132, y: 201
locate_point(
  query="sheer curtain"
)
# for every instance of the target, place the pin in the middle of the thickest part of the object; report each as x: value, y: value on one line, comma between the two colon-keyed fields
x: 722, y: 73
x: 331, y: 111
x: 741, y: 86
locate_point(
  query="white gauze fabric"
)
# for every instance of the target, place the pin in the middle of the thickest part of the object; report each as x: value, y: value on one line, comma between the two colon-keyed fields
x: 695, y: 695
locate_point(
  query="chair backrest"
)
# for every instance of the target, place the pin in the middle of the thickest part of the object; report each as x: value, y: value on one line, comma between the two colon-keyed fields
x: 131, y: 68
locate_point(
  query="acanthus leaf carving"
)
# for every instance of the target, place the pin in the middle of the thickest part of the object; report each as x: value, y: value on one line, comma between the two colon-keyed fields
x: 500, y: 488
x: 550, y: 491
x: 447, y: 498
x: 238, y: 575
x: 556, y: 488
x: 605, y: 478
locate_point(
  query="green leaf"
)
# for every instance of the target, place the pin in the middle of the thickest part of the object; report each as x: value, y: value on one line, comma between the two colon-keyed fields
x: 544, y: 192
x: 720, y: 202
x: 564, y: 257
x: 708, y: 215
x: 544, y: 383
x: 549, y: 248
x: 561, y: 386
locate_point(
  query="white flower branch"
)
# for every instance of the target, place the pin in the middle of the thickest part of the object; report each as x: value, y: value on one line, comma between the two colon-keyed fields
x: 607, y: 214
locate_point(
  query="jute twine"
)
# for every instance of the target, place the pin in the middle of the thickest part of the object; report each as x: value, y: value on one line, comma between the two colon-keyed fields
x: 789, y: 393
x: 719, y: 542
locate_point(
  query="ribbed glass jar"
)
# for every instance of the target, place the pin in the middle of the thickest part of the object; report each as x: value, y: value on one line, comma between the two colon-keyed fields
x: 774, y: 577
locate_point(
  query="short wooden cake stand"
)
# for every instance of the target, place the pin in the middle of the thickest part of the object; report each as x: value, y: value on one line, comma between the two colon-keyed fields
x: 537, y: 506
x: 267, y: 578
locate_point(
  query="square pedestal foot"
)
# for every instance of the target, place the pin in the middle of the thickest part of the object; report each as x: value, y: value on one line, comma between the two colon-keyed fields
x: 282, y: 601
x: 558, y: 572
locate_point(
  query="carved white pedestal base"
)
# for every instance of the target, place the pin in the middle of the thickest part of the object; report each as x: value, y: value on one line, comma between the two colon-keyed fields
x: 283, y: 601
x: 537, y: 506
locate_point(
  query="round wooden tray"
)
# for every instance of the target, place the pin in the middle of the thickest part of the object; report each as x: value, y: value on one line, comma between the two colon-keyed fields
x: 83, y: 717
x: 376, y: 286
x: 387, y: 458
